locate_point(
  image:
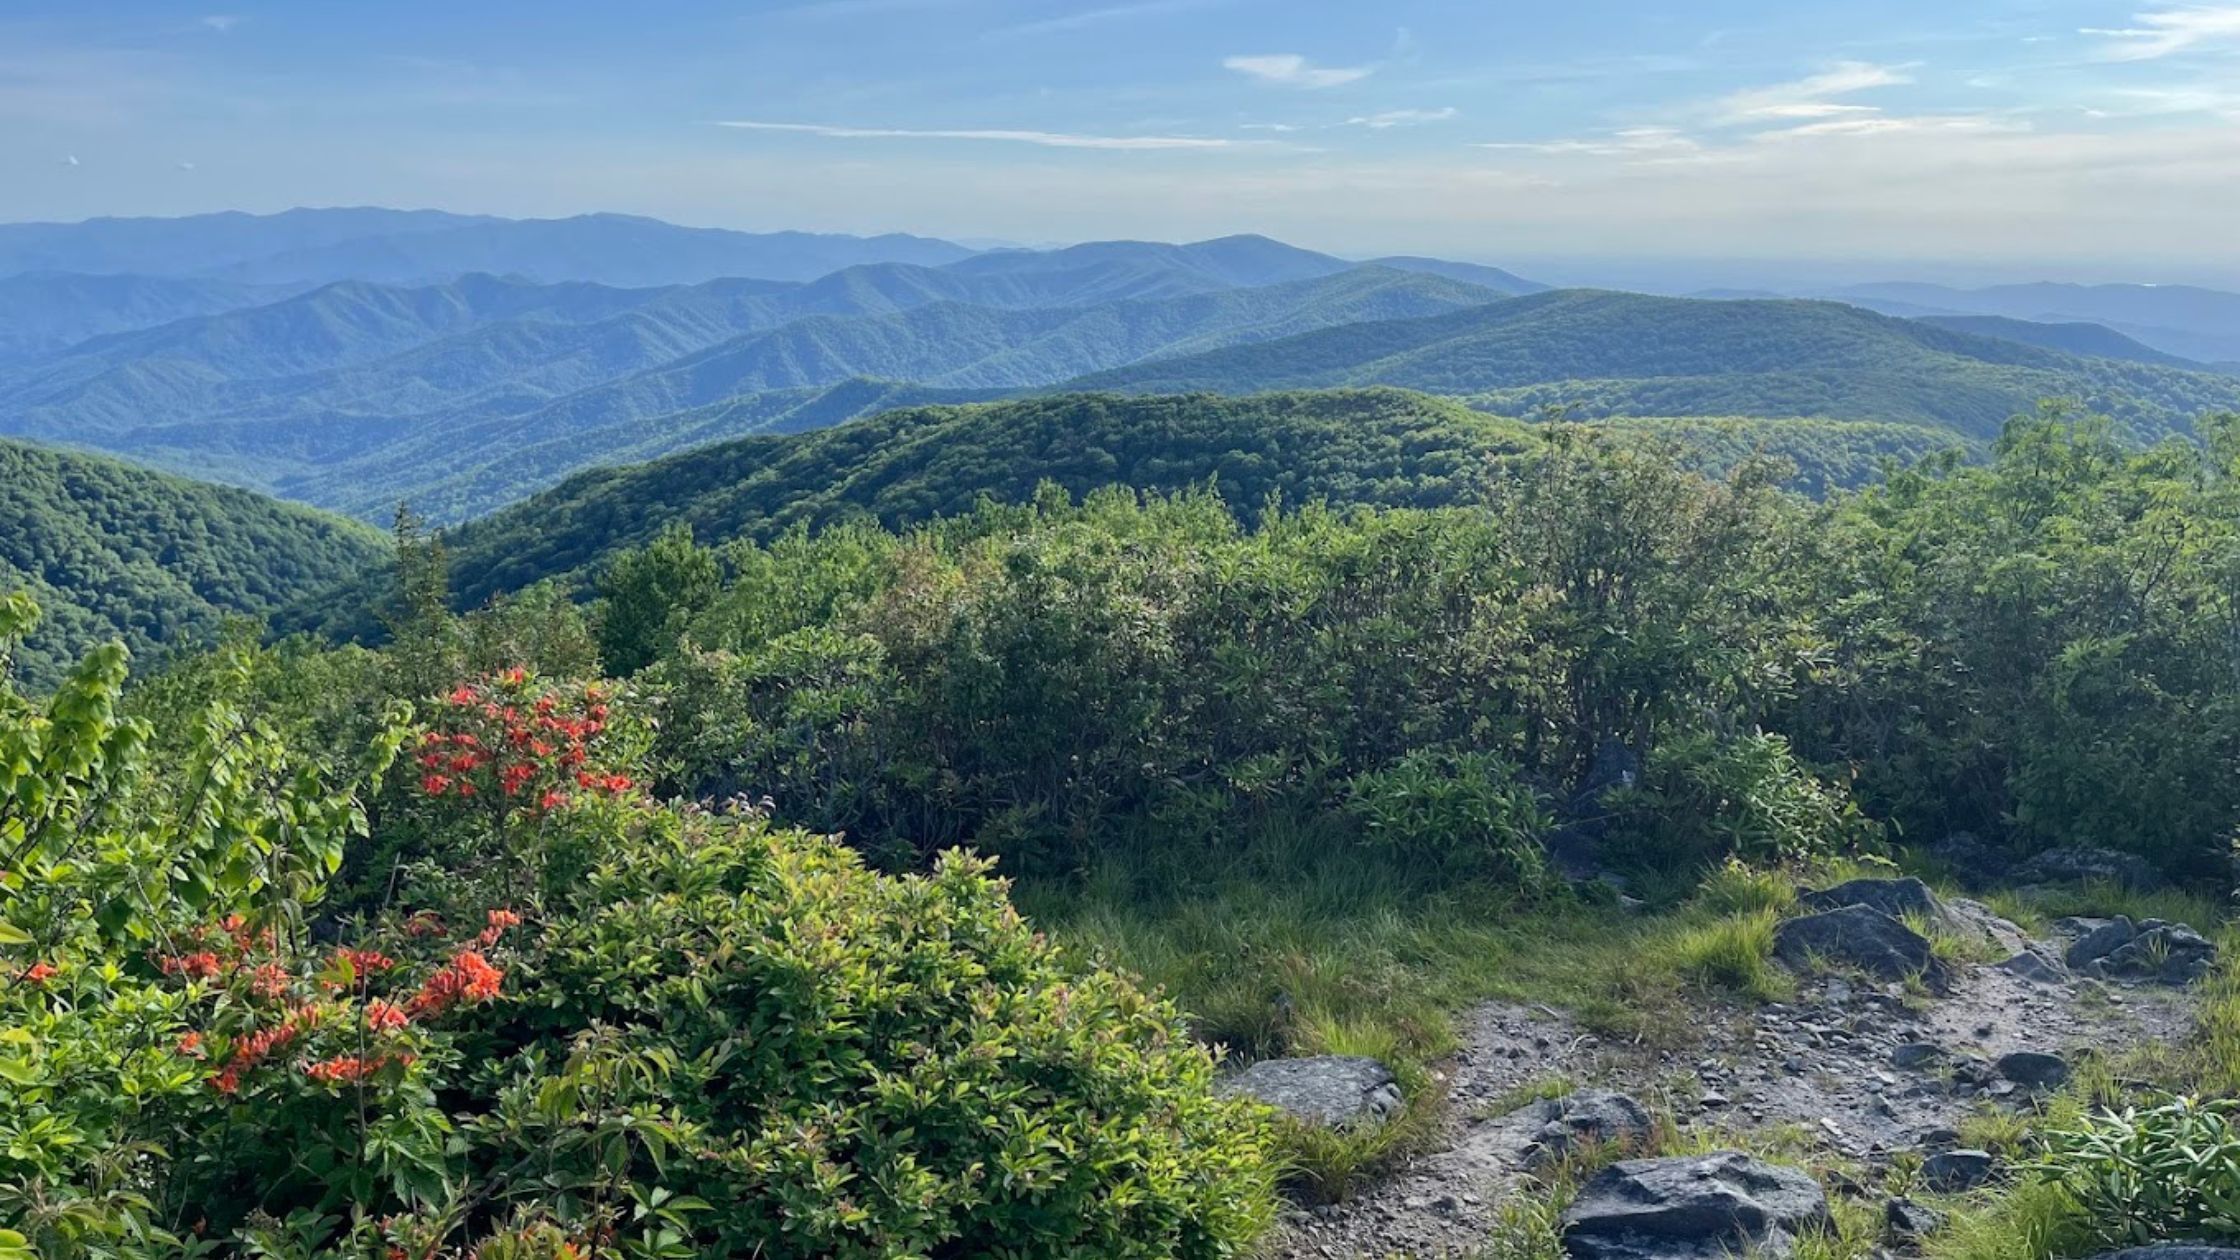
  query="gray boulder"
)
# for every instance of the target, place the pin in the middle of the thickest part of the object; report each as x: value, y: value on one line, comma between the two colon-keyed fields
x: 1591, y: 1117
x: 1699, y: 1207
x: 1908, y: 897
x: 1331, y: 1091
x: 2033, y: 1070
x: 1862, y: 937
x: 1953, y: 1171
x: 2086, y: 864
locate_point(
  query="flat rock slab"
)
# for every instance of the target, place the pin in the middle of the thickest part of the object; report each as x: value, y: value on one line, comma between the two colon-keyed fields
x: 1682, y: 1208
x: 1331, y: 1091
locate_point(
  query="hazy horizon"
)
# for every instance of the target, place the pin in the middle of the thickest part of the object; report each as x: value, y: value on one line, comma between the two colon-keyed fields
x: 2060, y: 139
x: 1665, y: 274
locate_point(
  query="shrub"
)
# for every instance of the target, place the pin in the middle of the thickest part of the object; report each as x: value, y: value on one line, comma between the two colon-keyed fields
x: 2170, y: 1172
x: 1464, y: 809
x: 694, y: 1033
x: 1703, y: 799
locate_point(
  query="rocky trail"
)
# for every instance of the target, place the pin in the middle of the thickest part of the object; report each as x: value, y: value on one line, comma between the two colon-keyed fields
x: 1857, y: 1070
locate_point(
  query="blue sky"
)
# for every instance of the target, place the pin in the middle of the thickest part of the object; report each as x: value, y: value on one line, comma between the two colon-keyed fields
x: 2085, y: 137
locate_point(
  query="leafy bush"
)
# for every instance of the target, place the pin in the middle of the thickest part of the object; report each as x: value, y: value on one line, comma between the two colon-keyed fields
x: 2170, y: 1172
x: 1466, y: 809
x: 690, y: 1034
x: 1703, y: 799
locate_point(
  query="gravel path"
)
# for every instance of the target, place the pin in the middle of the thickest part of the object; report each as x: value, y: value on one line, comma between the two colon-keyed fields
x: 1825, y: 1063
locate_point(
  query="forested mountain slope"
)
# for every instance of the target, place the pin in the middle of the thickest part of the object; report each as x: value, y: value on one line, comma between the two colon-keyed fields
x: 1379, y: 447
x: 1629, y: 354
x: 113, y: 551
x: 914, y: 463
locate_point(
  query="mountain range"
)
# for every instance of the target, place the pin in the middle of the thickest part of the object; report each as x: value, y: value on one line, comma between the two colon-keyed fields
x: 319, y: 246
x: 1619, y: 354
x: 356, y: 359
x: 2183, y: 320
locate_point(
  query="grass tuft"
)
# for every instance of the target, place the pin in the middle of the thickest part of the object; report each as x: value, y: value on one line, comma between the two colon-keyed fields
x: 1734, y: 953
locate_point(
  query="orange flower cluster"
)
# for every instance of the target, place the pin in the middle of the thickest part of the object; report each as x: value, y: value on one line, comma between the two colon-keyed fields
x: 468, y: 977
x: 501, y: 739
x: 251, y: 1049
x: 41, y: 972
x: 222, y: 951
x: 498, y: 921
x: 350, y: 1067
x: 364, y: 962
x: 200, y: 965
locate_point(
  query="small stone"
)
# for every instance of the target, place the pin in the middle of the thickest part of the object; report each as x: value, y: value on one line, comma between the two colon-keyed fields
x: 1956, y: 1170
x: 2033, y: 968
x: 2034, y: 1070
x: 1914, y: 1054
x: 1905, y: 1221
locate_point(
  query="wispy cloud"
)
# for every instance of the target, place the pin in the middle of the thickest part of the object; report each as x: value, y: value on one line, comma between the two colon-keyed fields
x: 1044, y: 139
x: 1890, y: 125
x: 2169, y: 31
x: 1652, y: 143
x: 1293, y: 70
x: 222, y: 22
x: 1099, y: 16
x: 1812, y: 97
x: 1403, y: 118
